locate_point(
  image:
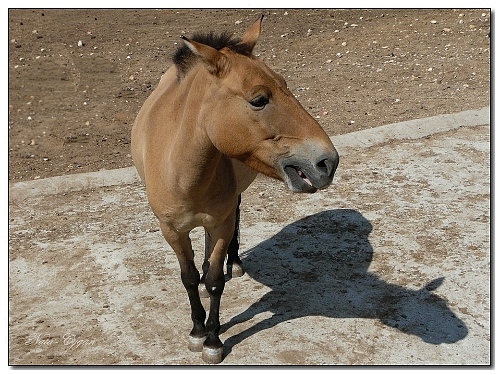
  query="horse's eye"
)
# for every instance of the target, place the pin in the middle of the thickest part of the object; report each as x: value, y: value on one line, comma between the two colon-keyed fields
x: 259, y: 102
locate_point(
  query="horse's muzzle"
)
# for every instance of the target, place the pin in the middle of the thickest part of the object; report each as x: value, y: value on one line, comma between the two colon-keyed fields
x: 304, y: 175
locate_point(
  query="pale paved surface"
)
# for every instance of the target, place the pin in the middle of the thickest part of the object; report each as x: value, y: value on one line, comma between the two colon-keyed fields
x: 391, y: 265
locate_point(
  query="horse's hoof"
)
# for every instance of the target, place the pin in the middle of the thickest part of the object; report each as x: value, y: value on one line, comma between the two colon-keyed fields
x: 211, y: 355
x: 202, y: 291
x: 196, y: 343
x: 235, y: 270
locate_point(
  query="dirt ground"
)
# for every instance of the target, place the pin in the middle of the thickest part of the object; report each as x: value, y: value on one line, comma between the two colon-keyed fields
x: 77, y: 78
x: 388, y: 266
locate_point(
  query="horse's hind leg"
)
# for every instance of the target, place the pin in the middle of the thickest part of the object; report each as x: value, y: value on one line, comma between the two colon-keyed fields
x: 202, y: 288
x: 234, y: 263
x: 181, y: 244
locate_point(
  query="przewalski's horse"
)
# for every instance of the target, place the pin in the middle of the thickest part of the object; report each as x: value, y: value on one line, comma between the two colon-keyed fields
x: 218, y: 117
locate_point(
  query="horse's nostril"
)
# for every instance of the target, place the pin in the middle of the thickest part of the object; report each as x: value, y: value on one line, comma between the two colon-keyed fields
x: 323, y: 165
x: 328, y: 165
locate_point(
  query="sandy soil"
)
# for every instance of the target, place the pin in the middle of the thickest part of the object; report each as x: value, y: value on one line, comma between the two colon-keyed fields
x: 76, y: 82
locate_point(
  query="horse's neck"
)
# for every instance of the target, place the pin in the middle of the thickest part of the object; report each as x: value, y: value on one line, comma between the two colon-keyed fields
x: 198, y: 162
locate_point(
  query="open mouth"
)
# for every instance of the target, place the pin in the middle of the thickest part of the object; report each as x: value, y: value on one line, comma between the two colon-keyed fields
x: 309, y: 173
x: 303, y: 176
x: 298, y: 181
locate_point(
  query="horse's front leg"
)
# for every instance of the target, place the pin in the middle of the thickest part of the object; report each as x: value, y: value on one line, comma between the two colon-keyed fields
x: 181, y: 244
x: 214, y: 283
x: 234, y: 263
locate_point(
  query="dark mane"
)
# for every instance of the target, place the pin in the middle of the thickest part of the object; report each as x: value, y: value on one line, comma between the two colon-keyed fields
x: 184, y: 58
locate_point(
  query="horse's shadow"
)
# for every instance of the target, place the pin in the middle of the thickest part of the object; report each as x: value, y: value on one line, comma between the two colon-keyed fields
x: 326, y: 257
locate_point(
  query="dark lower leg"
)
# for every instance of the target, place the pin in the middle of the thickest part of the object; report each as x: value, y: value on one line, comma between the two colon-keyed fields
x: 234, y: 263
x: 181, y: 244
x: 215, y: 287
x: 191, y: 279
x: 208, y: 249
x: 214, y: 283
x: 202, y: 289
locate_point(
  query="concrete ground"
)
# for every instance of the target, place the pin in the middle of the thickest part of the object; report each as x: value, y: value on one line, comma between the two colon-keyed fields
x: 390, y: 265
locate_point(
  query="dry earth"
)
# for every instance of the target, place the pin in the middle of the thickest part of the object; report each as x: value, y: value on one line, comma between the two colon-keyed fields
x: 388, y: 266
x: 78, y: 77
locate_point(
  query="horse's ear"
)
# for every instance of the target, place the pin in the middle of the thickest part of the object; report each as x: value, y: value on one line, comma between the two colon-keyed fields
x: 216, y: 62
x: 252, y: 34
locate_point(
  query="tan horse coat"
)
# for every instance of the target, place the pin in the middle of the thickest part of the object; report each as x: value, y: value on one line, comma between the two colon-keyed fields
x: 215, y: 120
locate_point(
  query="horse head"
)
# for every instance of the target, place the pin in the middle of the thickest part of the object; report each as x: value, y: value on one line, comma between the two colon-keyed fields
x: 251, y: 115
